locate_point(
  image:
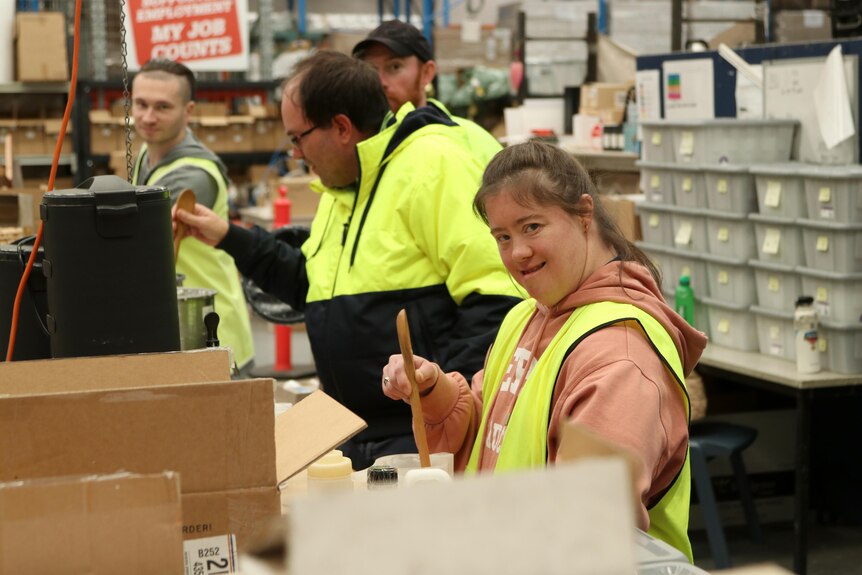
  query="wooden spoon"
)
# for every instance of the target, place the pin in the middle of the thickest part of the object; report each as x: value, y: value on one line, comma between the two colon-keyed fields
x: 7, y: 161
x: 185, y: 201
x: 415, y: 401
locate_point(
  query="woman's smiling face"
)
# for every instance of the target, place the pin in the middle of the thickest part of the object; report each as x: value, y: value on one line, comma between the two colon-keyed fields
x: 543, y: 247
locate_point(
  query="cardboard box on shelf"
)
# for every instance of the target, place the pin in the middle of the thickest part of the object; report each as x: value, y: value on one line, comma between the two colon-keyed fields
x: 259, y: 111
x: 52, y: 133
x: 91, y: 524
x: 802, y: 26
x: 268, y: 135
x: 169, y: 411
x: 212, y: 132
x: 215, y: 109
x: 304, y: 200
x: 105, y: 132
x: 622, y: 211
x: 607, y: 101
x: 28, y: 138
x: 239, y: 137
x: 40, y: 39
x: 19, y: 207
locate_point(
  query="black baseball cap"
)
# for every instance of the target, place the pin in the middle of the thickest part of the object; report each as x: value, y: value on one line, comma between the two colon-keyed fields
x: 402, y: 38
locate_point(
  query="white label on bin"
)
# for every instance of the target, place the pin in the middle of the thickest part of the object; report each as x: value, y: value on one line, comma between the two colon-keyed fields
x: 656, y: 138
x: 210, y: 555
x: 822, y: 308
x: 683, y: 234
x: 773, y: 284
x: 772, y: 241
x: 772, y: 198
x: 686, y: 144
x: 827, y: 212
x: 654, y: 181
x: 723, y: 277
x: 686, y: 184
x: 821, y: 343
x: 813, y: 18
x: 653, y: 221
x: 776, y: 348
x: 825, y: 195
x: 822, y: 243
x: 723, y: 234
x: 774, y: 332
x: 721, y: 186
x: 723, y: 325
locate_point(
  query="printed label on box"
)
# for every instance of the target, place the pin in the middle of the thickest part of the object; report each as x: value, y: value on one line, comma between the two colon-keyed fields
x: 686, y: 144
x: 774, y: 332
x: 773, y: 194
x: 210, y: 555
x: 772, y: 241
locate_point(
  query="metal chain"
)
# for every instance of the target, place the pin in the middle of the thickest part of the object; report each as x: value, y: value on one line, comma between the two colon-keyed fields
x: 126, y: 95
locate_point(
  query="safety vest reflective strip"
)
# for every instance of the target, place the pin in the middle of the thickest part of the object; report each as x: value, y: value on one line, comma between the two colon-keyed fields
x: 525, y: 442
x: 207, y: 267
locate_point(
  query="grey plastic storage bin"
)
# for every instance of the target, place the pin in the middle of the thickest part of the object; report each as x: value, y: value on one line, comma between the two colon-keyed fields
x: 840, y: 347
x: 778, y: 240
x: 657, y: 141
x: 689, y: 230
x: 730, y: 236
x: 656, y: 181
x: 689, y: 187
x: 730, y: 280
x: 832, y: 247
x: 775, y: 335
x: 834, y: 193
x: 731, y: 325
x: 656, y: 223
x: 730, y: 188
x: 661, y: 257
x: 780, y: 190
x: 691, y: 265
x: 777, y: 285
x: 732, y: 141
x: 837, y: 297
x: 701, y: 319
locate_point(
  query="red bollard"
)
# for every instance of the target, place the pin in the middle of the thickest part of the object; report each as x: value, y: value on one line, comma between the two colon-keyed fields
x: 283, y: 333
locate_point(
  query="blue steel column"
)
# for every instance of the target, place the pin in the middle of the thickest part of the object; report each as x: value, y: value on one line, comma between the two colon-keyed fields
x: 301, y: 23
x: 428, y: 19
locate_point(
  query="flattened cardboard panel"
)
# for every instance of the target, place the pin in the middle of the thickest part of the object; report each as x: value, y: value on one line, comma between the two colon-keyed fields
x: 243, y: 512
x: 113, y: 372
x: 218, y: 436
x: 562, y: 520
x: 309, y: 429
x: 98, y: 525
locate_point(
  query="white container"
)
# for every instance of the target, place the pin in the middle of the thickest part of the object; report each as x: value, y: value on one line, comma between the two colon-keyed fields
x: 730, y: 235
x: 805, y: 329
x: 661, y: 257
x: 405, y: 462
x: 834, y: 193
x: 656, y: 181
x: 656, y: 224
x: 832, y: 247
x: 777, y: 285
x: 730, y: 188
x: 689, y: 230
x: 732, y: 141
x: 775, y: 335
x: 778, y: 240
x: 731, y: 325
x: 730, y: 280
x: 780, y: 190
x: 840, y: 347
x: 332, y: 472
x: 837, y: 297
x: 689, y: 187
x: 657, y: 143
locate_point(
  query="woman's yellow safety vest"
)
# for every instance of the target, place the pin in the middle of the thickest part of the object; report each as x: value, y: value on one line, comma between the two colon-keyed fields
x: 525, y: 444
x: 207, y: 267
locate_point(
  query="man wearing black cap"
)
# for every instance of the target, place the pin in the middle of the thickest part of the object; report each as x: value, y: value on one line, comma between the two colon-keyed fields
x: 403, y: 60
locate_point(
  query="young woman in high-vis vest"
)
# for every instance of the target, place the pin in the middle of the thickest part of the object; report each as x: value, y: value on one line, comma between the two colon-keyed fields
x: 595, y: 343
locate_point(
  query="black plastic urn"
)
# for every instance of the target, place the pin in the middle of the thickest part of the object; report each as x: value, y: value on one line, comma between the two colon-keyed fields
x: 109, y: 265
x: 31, y: 339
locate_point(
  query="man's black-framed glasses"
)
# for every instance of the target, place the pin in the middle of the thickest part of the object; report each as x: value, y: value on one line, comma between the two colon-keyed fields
x: 297, y: 140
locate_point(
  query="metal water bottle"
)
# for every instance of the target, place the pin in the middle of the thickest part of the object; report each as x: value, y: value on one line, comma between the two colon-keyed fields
x: 805, y: 326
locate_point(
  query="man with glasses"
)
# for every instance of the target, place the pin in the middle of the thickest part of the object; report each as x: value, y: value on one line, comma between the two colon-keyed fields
x: 171, y: 156
x: 402, y: 58
x: 394, y: 230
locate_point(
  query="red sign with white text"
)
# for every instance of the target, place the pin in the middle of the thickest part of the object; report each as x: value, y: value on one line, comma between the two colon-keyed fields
x: 185, y: 30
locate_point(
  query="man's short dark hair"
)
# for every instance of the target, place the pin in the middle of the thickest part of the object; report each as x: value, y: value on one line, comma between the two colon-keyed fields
x: 330, y: 83
x: 402, y: 38
x: 173, y: 68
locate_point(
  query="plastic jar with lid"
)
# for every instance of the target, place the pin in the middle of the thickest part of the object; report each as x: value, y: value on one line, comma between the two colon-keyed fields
x: 332, y: 472
x: 381, y: 477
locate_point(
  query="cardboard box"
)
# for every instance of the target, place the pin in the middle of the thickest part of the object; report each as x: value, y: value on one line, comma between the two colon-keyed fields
x: 802, y: 26
x: 268, y: 135
x: 607, y: 101
x: 94, y: 524
x: 40, y: 43
x: 239, y: 137
x: 52, y: 133
x: 260, y: 111
x: 622, y: 212
x: 105, y: 132
x: 212, y: 132
x: 214, y: 109
x: 304, y: 200
x: 173, y: 411
x: 28, y: 138
x: 19, y: 207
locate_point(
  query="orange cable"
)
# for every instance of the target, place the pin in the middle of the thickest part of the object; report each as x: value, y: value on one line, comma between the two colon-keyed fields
x: 16, y: 308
